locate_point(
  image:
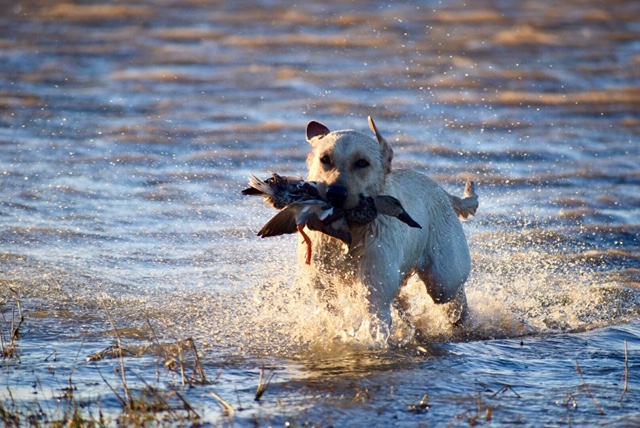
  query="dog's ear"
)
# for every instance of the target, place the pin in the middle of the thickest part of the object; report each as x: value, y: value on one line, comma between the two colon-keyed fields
x: 387, y: 150
x: 316, y: 129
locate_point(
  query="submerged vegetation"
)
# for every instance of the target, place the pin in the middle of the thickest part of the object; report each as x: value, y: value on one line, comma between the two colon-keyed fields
x: 133, y: 290
x: 147, y: 403
x: 11, y: 329
x: 135, y: 398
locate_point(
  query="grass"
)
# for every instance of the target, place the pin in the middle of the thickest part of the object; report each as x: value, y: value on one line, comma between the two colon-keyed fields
x: 263, y: 383
x: 11, y: 328
x: 588, y: 390
x: 625, y: 375
x: 143, y: 406
x: 145, y: 403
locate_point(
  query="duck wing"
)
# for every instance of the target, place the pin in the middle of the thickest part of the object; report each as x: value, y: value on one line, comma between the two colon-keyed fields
x: 316, y: 215
x: 281, y: 223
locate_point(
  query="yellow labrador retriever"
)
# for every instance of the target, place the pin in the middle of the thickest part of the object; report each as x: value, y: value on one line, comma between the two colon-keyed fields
x: 386, y: 252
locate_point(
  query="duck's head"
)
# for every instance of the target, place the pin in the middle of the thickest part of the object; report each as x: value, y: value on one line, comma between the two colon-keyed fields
x: 388, y: 205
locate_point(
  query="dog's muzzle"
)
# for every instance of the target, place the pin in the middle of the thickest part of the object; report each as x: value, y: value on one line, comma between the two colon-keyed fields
x: 337, y: 195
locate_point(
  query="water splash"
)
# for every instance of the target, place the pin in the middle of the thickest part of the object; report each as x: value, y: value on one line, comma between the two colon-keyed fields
x: 516, y: 289
x: 533, y: 280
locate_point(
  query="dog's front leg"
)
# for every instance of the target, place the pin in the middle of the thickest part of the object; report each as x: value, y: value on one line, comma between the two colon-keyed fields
x: 381, y: 276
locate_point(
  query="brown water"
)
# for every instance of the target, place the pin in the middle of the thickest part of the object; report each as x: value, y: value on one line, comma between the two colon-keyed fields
x: 128, y: 131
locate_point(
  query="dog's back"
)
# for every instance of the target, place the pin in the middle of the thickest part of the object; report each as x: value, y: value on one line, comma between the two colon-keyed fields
x: 439, y: 251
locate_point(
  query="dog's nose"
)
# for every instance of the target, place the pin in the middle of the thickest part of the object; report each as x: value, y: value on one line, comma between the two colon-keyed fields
x: 337, y: 195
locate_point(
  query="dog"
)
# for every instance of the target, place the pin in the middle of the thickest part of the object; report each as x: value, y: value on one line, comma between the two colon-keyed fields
x: 384, y: 254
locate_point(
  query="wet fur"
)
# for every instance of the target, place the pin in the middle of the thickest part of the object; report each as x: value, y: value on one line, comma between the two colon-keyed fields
x: 385, y: 253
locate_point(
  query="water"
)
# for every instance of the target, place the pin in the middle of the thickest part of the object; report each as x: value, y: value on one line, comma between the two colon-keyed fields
x: 127, y: 133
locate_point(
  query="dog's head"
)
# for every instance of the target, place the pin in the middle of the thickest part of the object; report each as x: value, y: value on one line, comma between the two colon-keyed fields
x: 349, y: 163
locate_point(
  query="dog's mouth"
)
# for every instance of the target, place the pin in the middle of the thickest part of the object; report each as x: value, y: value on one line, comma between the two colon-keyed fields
x: 352, y: 203
x: 337, y: 195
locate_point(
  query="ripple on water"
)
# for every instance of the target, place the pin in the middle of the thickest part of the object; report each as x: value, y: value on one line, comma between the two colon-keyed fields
x: 128, y: 131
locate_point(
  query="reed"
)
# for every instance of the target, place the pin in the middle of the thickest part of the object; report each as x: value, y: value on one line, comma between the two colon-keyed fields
x: 9, y: 346
x: 588, y: 390
x: 625, y: 375
x: 123, y: 373
x: 505, y: 389
x: 362, y: 395
x: 263, y: 383
x: 227, y: 409
x: 422, y: 406
x: 175, y: 359
x: 141, y: 406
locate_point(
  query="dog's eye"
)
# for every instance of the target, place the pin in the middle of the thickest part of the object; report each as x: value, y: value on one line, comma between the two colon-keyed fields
x: 326, y: 160
x: 361, y: 163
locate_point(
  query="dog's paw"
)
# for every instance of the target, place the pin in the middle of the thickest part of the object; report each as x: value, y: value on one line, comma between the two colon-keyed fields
x: 456, y: 310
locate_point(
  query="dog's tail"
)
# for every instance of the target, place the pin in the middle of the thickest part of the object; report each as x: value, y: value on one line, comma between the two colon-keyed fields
x: 466, y: 206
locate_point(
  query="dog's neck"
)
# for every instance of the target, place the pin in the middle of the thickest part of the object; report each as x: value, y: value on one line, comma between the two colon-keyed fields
x: 363, y: 237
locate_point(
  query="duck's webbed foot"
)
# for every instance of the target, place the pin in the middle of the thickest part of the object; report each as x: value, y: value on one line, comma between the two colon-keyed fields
x: 306, y: 241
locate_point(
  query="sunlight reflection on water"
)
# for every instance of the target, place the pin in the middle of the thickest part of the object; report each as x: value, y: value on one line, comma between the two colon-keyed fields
x: 128, y: 131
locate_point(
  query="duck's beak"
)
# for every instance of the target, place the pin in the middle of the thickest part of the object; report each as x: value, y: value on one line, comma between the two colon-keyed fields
x: 406, y: 218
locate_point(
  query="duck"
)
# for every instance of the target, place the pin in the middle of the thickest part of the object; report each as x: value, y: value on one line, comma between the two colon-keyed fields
x: 315, y: 214
x: 321, y: 216
x: 370, y: 206
x: 280, y: 191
